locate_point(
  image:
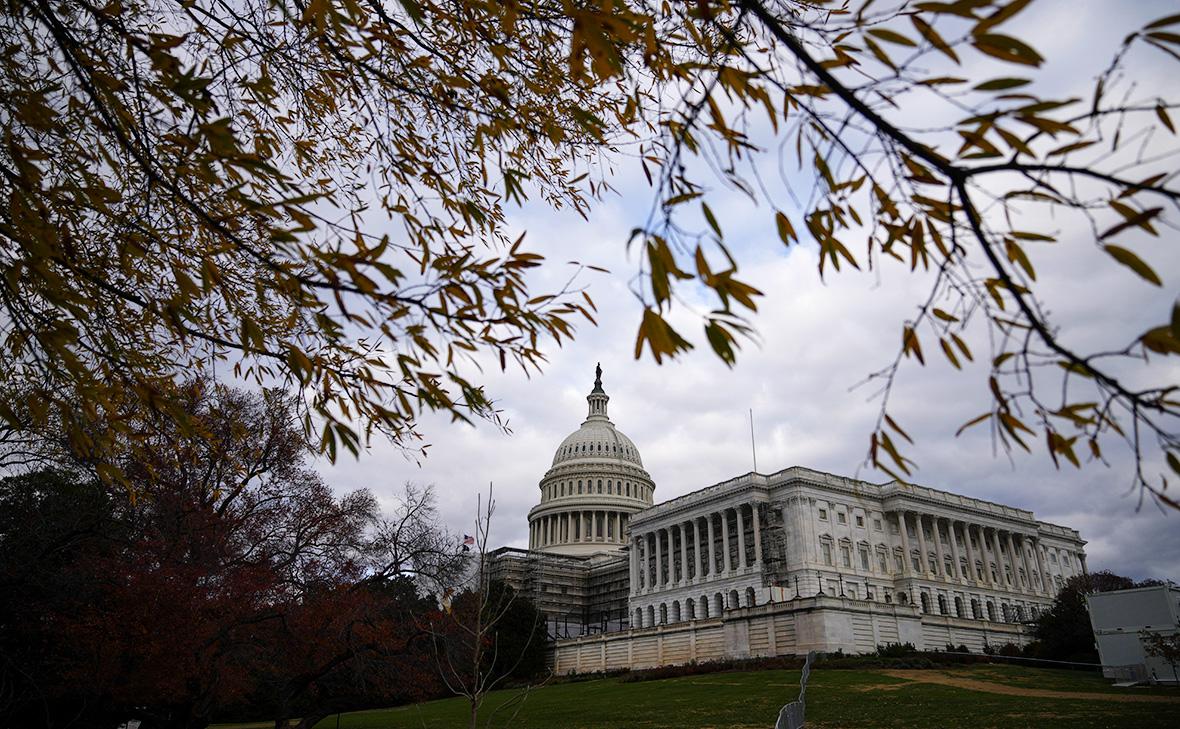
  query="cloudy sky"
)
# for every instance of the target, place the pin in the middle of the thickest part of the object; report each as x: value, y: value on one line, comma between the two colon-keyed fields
x: 818, y: 341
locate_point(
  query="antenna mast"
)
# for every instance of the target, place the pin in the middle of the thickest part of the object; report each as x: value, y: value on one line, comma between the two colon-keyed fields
x: 753, y: 449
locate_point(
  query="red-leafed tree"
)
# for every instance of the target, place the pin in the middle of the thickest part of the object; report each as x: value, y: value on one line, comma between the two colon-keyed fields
x: 230, y: 578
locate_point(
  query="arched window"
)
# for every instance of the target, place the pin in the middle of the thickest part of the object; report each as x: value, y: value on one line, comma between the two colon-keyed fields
x: 991, y: 611
x: 609, y: 487
x: 628, y: 489
x: 958, y: 607
x: 638, y: 618
x: 925, y: 602
x: 751, y: 599
x: 561, y: 488
x: 690, y: 609
x: 942, y: 604
x: 733, y: 600
x: 718, y: 604
x: 903, y: 598
x: 704, y: 606
x: 1005, y: 612
x: 675, y: 611
x: 600, y: 485
x: 663, y: 614
x: 579, y: 486
x: 651, y: 616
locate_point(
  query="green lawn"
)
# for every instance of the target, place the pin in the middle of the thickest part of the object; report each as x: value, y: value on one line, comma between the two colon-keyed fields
x: 836, y: 698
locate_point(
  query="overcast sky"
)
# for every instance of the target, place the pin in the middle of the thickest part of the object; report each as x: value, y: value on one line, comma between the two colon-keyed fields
x: 818, y: 341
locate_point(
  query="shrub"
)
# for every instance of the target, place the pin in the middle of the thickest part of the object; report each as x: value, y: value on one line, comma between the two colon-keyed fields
x: 896, y: 650
x: 1011, y: 650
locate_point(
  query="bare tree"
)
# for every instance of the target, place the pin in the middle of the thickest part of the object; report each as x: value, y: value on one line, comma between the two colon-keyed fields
x: 468, y: 646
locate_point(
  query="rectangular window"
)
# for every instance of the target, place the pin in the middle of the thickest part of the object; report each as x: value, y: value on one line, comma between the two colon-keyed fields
x: 840, y: 517
x: 915, y: 563
x: 823, y: 514
x: 897, y: 562
x: 881, y: 562
x: 933, y: 565
x: 827, y: 550
x: 864, y: 559
x: 877, y: 524
x: 860, y: 520
x: 845, y: 557
x: 850, y: 591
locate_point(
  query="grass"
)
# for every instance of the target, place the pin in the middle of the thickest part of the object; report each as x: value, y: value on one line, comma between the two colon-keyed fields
x: 1057, y: 680
x: 835, y: 698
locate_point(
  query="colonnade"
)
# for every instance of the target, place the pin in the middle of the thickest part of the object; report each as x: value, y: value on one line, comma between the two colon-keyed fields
x: 578, y: 526
x: 700, y: 548
x: 1006, y: 567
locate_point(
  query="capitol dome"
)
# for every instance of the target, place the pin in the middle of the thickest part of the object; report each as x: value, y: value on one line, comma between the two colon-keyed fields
x: 595, y: 484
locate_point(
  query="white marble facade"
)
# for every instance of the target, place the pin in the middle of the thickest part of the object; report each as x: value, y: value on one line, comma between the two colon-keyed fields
x: 798, y: 532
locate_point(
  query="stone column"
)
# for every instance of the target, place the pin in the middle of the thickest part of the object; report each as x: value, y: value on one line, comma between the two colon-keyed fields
x: 725, y: 542
x: 1036, y: 545
x: 950, y: 527
x: 999, y: 565
x: 659, y: 561
x: 939, y: 554
x: 907, y: 569
x: 711, y: 561
x: 924, y: 562
x: 1012, y: 562
x: 1030, y: 587
x: 971, y: 576
x: 634, y: 567
x: 754, y: 514
x: 741, y: 538
x: 648, y: 556
x: 683, y: 554
x: 696, y: 549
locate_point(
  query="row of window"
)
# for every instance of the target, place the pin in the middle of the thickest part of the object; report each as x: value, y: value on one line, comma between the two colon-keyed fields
x: 691, y: 609
x: 932, y: 565
x: 859, y: 519
x: 573, y: 450
x: 978, y: 610
x: 620, y: 488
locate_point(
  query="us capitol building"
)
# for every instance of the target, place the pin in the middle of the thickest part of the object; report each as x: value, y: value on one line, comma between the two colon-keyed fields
x: 769, y: 564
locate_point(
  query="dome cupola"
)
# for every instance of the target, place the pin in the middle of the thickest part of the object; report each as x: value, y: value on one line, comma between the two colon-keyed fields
x: 596, y: 482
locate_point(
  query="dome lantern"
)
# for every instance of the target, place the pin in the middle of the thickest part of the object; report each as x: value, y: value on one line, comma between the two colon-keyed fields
x: 597, y: 397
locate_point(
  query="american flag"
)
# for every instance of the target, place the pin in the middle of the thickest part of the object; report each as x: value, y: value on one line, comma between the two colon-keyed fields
x: 468, y: 539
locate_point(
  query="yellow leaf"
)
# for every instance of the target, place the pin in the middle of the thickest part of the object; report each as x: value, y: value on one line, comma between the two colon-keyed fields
x: 1133, y: 262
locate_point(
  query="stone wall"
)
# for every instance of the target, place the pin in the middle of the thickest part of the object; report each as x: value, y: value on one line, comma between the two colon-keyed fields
x: 824, y: 624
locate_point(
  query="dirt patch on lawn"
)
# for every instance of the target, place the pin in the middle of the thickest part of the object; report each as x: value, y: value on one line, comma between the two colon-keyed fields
x: 972, y: 684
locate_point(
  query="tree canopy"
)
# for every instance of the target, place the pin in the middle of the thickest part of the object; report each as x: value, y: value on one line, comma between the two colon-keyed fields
x: 229, y: 580
x: 1063, y: 632
x: 318, y: 194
